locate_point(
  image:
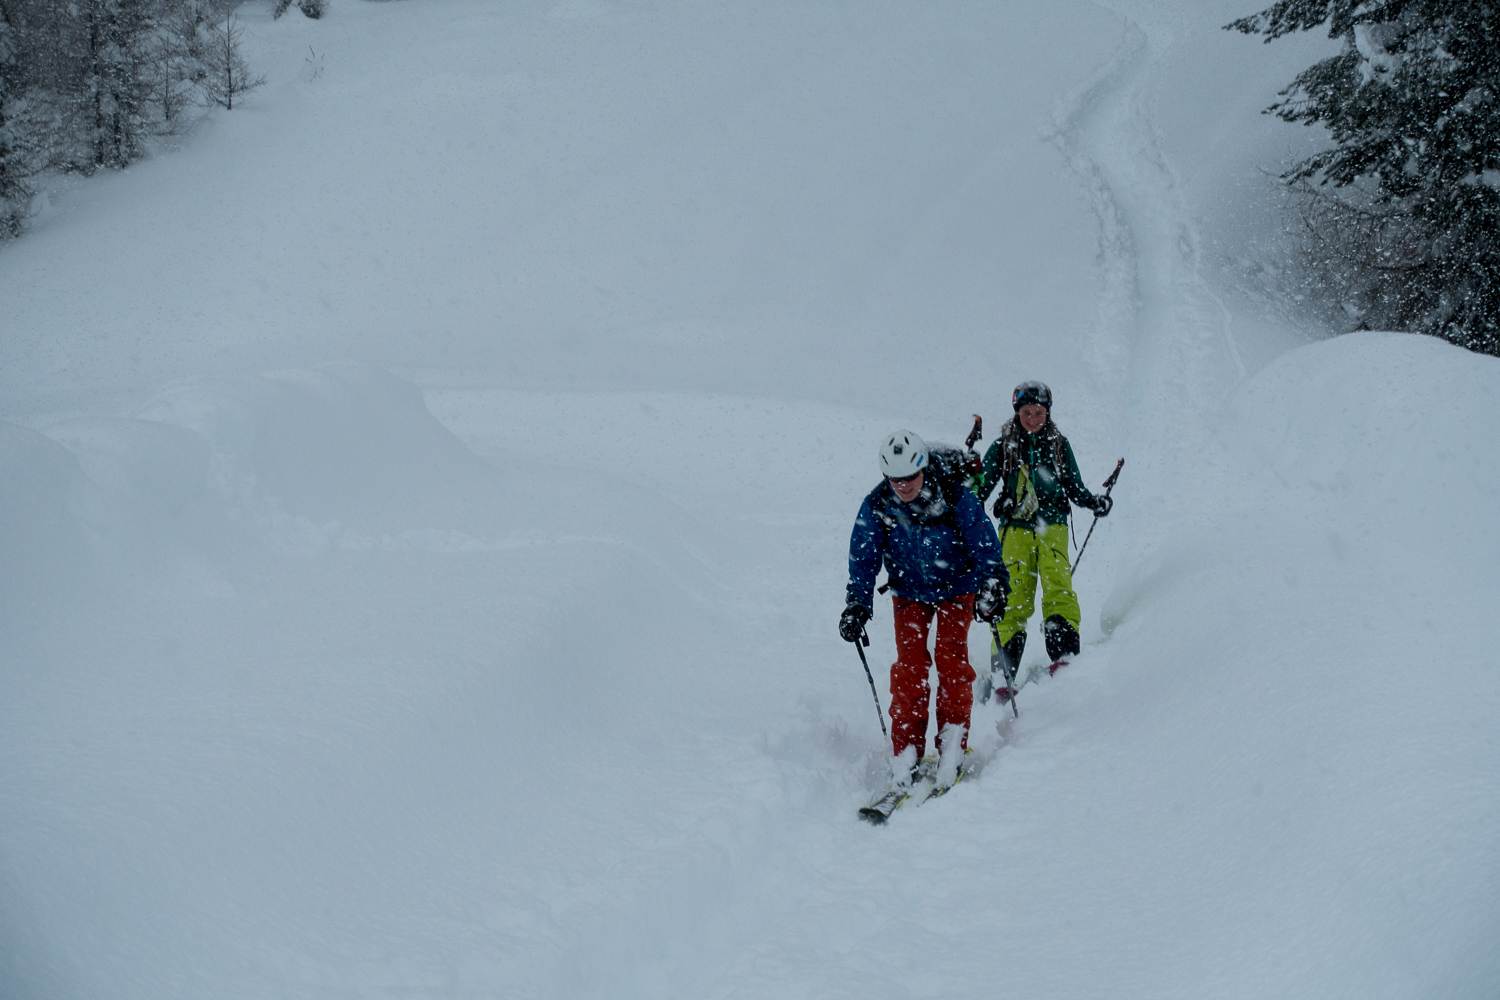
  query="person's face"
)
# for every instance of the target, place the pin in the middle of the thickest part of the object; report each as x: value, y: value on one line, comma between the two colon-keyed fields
x: 908, y: 488
x: 1033, y: 416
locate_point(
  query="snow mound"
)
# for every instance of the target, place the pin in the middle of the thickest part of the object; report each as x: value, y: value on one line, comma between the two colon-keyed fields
x: 340, y: 442
x: 134, y: 467
x: 343, y: 455
x: 1383, y: 428
x: 1301, y: 690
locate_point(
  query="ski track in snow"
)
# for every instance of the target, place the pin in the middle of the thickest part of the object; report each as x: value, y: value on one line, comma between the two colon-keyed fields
x: 1161, y: 324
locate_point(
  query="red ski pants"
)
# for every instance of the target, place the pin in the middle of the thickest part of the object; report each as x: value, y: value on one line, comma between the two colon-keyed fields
x: 909, y: 686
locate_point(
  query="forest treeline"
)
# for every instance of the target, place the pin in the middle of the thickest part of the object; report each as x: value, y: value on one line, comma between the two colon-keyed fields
x: 84, y: 84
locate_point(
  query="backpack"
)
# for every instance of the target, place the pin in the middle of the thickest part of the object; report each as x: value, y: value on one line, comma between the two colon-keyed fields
x: 952, y: 468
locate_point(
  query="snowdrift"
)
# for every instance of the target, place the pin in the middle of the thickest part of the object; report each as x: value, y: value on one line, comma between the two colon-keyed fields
x: 1302, y: 686
x: 295, y: 638
x: 341, y: 442
x: 343, y: 455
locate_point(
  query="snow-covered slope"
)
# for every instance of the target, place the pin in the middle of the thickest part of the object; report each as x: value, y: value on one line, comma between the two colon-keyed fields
x: 424, y: 500
x: 772, y: 198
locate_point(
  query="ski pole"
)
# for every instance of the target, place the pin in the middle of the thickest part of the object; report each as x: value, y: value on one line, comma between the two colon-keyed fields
x: 859, y: 644
x: 1010, y: 680
x: 1005, y: 670
x: 1109, y: 484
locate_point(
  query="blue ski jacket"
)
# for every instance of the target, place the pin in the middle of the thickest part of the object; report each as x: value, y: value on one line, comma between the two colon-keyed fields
x: 933, y: 548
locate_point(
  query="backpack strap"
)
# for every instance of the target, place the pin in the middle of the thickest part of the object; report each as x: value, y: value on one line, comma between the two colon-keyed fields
x: 1010, y: 448
x: 951, y: 482
x: 1058, y: 441
x: 879, y: 499
x: 948, y: 481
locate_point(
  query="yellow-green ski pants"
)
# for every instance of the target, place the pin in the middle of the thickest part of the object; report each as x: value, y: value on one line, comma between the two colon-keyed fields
x: 1028, y: 556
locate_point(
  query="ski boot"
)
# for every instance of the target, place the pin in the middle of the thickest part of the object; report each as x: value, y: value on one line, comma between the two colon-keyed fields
x: 1062, y: 642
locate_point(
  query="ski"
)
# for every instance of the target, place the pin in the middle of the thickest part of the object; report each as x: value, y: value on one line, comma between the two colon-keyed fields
x: 924, y: 788
x: 938, y: 791
x: 959, y: 774
x: 877, y: 812
x: 920, y: 786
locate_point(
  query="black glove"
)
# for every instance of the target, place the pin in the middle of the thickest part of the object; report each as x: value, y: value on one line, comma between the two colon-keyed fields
x: 1102, y: 505
x: 1003, y: 506
x: 852, y: 621
x: 989, y: 606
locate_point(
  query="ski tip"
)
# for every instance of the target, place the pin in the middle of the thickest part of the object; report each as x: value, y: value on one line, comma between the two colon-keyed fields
x: 880, y: 810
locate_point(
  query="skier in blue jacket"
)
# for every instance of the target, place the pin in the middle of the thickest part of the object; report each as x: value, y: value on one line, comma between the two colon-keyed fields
x: 943, y: 559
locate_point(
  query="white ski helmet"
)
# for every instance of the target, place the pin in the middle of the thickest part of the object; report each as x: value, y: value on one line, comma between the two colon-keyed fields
x: 903, y: 454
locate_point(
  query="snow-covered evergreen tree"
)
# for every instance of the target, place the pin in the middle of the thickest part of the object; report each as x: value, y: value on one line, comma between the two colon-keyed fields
x: 174, y: 59
x: 115, y: 34
x: 228, y: 75
x: 83, y: 84
x: 1405, y: 205
x: 13, y: 190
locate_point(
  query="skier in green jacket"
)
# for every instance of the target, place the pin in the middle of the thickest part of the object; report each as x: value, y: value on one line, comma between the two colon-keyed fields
x: 1033, y: 465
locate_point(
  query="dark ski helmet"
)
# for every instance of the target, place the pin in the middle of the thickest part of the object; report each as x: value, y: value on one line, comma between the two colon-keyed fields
x: 1031, y: 392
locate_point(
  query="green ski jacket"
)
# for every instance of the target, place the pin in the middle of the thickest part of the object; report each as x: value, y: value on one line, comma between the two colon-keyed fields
x: 1039, y: 453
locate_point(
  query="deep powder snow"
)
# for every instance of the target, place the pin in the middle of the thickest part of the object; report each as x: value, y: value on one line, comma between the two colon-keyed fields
x: 424, y: 500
